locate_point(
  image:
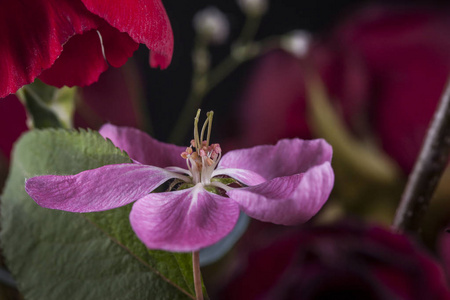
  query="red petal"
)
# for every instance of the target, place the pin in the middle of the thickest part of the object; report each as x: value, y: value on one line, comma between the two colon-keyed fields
x: 32, y: 34
x: 276, y: 93
x: 117, y: 97
x: 118, y: 45
x: 405, y: 52
x: 12, y: 123
x: 145, y: 21
x: 81, y: 62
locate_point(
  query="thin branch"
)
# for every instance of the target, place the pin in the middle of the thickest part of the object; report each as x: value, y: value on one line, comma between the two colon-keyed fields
x: 427, y: 171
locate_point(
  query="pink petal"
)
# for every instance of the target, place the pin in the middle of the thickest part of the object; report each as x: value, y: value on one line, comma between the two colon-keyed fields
x: 145, y: 21
x: 32, y: 34
x: 81, y: 62
x: 99, y: 189
x: 287, y: 157
x: 183, y: 221
x: 143, y: 148
x: 245, y: 176
x: 287, y: 200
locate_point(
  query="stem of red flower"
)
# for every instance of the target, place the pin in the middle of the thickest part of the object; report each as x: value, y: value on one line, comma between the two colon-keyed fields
x: 427, y: 171
x: 197, y: 275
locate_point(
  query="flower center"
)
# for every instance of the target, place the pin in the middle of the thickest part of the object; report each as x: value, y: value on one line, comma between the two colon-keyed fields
x: 201, y: 157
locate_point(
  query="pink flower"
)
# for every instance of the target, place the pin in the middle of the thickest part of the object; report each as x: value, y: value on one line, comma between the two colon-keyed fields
x: 66, y: 42
x: 285, y: 184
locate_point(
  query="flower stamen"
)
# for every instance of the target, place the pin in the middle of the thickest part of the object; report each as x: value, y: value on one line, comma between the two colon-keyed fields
x: 205, y: 158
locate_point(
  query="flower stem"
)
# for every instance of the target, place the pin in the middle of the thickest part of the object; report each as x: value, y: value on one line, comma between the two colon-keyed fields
x: 204, y: 80
x: 250, y: 29
x: 197, y: 275
x: 201, y: 85
x: 427, y: 171
x: 204, y: 83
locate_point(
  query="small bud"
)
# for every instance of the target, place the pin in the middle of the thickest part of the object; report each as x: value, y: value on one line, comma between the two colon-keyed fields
x: 297, y: 43
x: 253, y: 7
x: 212, y: 25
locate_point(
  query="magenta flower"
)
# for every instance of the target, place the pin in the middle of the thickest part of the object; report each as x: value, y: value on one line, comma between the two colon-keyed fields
x: 285, y: 184
x: 66, y: 42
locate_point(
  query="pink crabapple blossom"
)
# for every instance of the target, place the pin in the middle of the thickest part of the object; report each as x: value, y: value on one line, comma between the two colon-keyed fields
x: 286, y: 183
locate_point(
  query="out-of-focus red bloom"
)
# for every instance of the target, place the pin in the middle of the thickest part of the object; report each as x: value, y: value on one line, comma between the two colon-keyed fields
x: 341, y: 261
x: 115, y: 98
x: 384, y: 67
x: 406, y: 53
x: 112, y: 99
x: 12, y: 123
x: 274, y: 103
x: 444, y: 252
x: 59, y: 41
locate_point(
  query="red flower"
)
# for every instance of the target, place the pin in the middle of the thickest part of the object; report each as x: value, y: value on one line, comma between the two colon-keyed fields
x: 338, y: 261
x: 443, y: 246
x: 405, y: 52
x: 276, y: 93
x: 12, y: 124
x: 64, y: 42
x: 384, y: 67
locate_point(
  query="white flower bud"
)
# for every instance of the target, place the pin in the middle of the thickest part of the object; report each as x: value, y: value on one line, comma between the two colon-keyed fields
x: 297, y: 42
x: 253, y: 7
x: 212, y: 25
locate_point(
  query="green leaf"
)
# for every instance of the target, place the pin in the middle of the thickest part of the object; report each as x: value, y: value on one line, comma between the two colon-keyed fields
x: 62, y: 255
